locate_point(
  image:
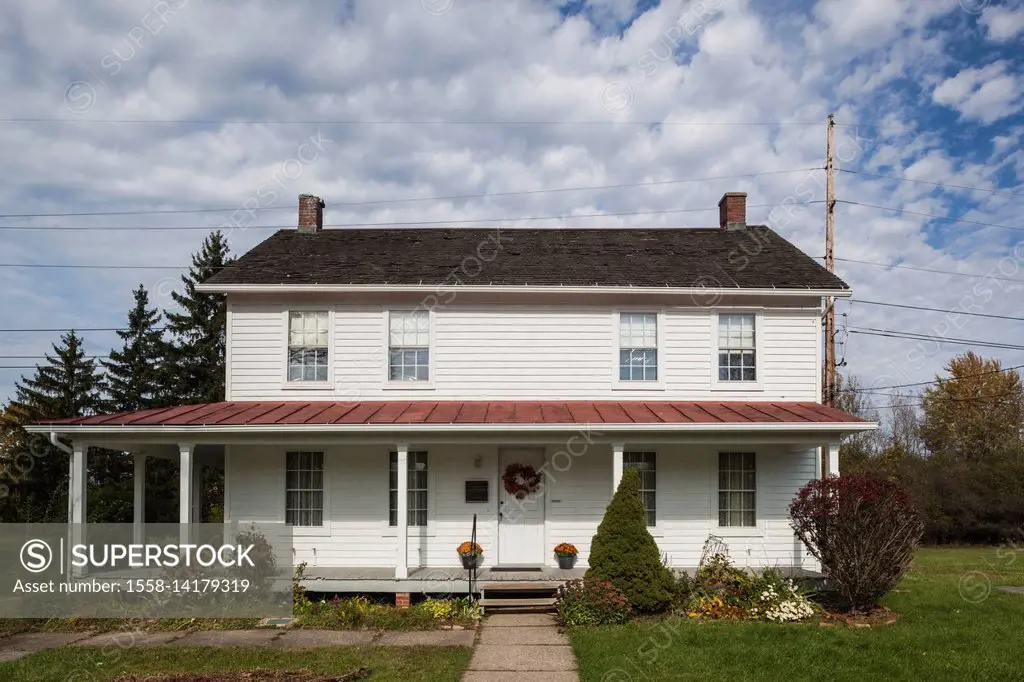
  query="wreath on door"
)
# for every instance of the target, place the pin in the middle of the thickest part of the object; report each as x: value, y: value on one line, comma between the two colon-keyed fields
x: 520, y: 480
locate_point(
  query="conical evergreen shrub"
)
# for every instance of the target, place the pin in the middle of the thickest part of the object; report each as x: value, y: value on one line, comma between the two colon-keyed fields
x: 624, y: 553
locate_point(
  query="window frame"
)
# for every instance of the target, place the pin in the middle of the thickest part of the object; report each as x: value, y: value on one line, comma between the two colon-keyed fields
x: 741, y: 385
x: 324, y: 529
x: 654, y: 458
x: 755, y: 530
x: 407, y: 384
x: 428, y: 515
x: 657, y: 384
x: 298, y: 384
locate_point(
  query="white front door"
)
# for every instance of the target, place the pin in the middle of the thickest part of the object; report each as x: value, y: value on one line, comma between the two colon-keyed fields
x: 520, y: 522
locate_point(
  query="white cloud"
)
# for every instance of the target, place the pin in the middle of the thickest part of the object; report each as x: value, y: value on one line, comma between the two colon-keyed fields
x: 984, y: 94
x: 1002, y: 23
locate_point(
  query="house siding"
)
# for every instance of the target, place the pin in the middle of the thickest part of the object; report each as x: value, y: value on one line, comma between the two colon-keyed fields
x: 499, y: 351
x: 576, y: 493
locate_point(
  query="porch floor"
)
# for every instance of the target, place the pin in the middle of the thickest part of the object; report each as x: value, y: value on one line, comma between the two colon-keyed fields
x: 455, y: 579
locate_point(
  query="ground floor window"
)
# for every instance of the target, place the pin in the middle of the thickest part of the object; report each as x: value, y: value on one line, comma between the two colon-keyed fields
x: 304, y: 489
x: 646, y: 464
x: 417, y: 489
x: 737, y: 489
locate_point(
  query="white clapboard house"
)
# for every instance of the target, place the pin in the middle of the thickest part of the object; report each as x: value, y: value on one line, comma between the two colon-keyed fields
x: 381, y: 383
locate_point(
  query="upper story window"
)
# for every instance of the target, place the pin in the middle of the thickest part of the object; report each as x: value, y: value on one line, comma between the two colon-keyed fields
x: 646, y: 465
x: 308, y: 340
x: 638, y: 347
x: 737, y: 348
x: 409, y: 345
x: 304, y: 489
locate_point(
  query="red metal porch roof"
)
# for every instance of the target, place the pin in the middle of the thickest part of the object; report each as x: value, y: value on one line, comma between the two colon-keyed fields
x: 265, y: 413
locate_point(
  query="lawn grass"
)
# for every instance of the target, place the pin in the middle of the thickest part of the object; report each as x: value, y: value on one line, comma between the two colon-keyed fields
x: 387, y: 664
x: 942, y: 636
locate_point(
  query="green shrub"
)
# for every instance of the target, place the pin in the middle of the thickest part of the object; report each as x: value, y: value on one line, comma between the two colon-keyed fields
x: 591, y: 602
x: 624, y: 553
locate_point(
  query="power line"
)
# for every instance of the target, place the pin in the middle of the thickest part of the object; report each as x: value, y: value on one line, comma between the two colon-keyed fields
x: 371, y: 202
x: 145, y: 212
x: 920, y: 269
x: 90, y: 267
x: 935, y: 381
x: 407, y: 224
x: 74, y: 329
x: 953, y: 399
x: 930, y: 215
x: 876, y: 127
x: 871, y: 331
x: 933, y: 184
x: 138, y: 228
x: 386, y: 122
x: 43, y: 357
x: 935, y: 310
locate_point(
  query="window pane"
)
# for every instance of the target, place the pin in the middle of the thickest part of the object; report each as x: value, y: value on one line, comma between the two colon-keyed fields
x: 737, y: 499
x: 304, y: 496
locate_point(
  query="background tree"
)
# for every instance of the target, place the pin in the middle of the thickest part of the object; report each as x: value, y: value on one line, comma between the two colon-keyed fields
x: 977, y: 413
x: 857, y: 450
x: 198, y: 329
x: 66, y: 384
x: 137, y: 378
x: 135, y: 374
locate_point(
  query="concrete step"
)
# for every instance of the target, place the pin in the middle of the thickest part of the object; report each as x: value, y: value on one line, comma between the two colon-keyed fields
x: 520, y: 586
x: 531, y: 602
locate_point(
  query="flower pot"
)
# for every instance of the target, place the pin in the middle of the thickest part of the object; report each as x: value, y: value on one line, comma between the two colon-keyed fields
x: 471, y: 560
x: 567, y: 561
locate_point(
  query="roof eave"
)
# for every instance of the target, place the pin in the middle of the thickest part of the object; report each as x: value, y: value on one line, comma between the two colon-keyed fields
x: 214, y: 288
x: 298, y: 429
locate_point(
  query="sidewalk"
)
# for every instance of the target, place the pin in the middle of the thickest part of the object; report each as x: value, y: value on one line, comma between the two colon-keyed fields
x: 18, y: 646
x: 521, y: 647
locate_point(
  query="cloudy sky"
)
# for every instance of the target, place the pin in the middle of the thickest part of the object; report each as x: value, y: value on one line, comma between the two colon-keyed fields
x: 243, y: 105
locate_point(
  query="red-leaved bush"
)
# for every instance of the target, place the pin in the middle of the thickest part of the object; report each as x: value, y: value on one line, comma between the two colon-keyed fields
x: 863, y: 529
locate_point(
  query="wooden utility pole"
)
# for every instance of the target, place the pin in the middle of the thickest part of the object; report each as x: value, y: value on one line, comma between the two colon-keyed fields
x: 829, y: 376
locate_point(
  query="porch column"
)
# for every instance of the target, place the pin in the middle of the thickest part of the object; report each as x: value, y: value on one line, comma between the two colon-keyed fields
x: 402, y: 541
x: 139, y: 500
x: 185, y: 492
x: 77, y: 495
x: 819, y: 454
x: 832, y: 448
x: 617, y: 450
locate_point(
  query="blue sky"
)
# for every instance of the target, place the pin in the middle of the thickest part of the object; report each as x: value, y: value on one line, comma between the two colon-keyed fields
x: 736, y: 86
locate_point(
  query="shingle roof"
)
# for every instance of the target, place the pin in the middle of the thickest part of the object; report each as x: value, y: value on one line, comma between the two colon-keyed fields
x: 755, y: 257
x: 299, y: 413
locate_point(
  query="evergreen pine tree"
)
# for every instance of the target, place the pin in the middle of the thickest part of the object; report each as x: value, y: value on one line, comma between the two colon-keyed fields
x: 199, y: 329
x: 36, y: 473
x: 624, y: 553
x: 135, y: 373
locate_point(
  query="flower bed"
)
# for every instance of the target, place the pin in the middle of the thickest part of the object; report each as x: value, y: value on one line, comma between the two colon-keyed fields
x: 720, y: 591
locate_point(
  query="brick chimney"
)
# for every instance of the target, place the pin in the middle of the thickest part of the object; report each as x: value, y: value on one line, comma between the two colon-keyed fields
x: 732, y: 211
x: 311, y: 213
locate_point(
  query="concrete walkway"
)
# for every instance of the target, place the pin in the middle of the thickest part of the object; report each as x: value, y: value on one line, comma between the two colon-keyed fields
x: 18, y: 646
x: 521, y: 646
